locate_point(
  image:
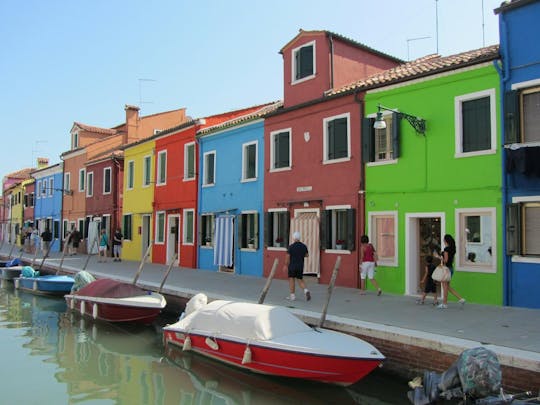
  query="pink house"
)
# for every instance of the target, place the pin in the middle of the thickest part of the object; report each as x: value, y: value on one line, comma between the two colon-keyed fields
x: 314, y: 180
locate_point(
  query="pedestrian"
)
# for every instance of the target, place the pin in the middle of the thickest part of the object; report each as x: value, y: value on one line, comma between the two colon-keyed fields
x: 46, y: 237
x: 294, y: 263
x: 73, y: 241
x: 117, y: 245
x: 35, y: 240
x: 428, y: 282
x: 368, y: 261
x: 103, y: 245
x: 447, y: 259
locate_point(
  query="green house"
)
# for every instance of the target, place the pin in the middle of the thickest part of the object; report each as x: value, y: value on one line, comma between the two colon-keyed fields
x: 434, y: 170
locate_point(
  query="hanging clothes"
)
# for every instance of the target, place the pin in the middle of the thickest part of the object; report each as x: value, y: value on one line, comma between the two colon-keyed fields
x: 307, y: 223
x: 223, y: 246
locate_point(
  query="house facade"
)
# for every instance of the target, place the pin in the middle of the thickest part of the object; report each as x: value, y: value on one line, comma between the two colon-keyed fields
x: 313, y: 173
x: 520, y: 84
x: 434, y: 170
x: 231, y: 216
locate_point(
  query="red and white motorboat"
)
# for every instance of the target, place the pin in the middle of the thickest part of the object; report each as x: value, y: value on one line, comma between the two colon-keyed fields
x: 271, y: 340
x: 114, y: 301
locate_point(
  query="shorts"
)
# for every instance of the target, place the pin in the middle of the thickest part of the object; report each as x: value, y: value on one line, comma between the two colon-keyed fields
x: 296, y: 273
x: 102, y: 248
x: 117, y: 250
x: 367, y: 268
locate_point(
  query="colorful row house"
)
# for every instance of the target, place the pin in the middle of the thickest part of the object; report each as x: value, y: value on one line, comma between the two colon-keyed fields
x: 520, y: 85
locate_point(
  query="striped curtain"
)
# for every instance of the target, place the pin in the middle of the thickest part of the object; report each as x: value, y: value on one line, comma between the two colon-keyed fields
x: 223, y: 247
x: 307, y: 224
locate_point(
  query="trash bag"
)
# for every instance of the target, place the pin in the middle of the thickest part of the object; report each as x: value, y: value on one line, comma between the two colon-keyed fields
x: 450, y: 378
x: 29, y: 272
x: 479, y: 372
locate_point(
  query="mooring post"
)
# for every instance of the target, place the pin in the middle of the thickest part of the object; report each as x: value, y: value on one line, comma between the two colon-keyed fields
x: 65, y: 247
x: 143, y: 261
x: 268, y: 281
x: 46, y: 253
x: 167, y: 272
x: 89, y: 253
x: 330, y: 289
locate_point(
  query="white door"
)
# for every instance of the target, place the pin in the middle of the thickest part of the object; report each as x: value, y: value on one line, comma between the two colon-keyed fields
x: 145, y: 233
x: 173, y: 238
x: 92, y: 242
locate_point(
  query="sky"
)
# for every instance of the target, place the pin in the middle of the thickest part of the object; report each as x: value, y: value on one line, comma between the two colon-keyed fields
x: 66, y: 61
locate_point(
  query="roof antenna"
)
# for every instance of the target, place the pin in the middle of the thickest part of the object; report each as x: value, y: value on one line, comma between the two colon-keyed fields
x: 413, y: 39
x: 140, y: 92
x: 437, y: 25
x: 483, y: 30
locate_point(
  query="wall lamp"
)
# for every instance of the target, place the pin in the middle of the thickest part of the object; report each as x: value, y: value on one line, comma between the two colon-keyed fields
x: 418, y: 124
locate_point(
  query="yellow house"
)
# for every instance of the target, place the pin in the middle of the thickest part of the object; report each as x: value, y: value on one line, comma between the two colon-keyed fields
x: 17, y: 212
x: 138, y: 198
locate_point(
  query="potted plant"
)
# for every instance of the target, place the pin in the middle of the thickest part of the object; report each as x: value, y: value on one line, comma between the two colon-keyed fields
x: 208, y: 241
x: 251, y: 243
x: 340, y: 244
x: 279, y: 241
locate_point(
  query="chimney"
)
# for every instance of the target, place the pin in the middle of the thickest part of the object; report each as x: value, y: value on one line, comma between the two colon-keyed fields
x: 42, y: 162
x: 132, y: 123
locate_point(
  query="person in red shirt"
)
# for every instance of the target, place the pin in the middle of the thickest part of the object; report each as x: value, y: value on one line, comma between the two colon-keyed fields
x: 368, y: 261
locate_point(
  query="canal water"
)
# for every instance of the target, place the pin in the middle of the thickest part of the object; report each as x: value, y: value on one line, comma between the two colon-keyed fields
x: 50, y: 355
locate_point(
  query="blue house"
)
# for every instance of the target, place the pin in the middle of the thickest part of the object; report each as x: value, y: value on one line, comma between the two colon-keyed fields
x: 520, y: 82
x: 49, y: 189
x: 231, y: 187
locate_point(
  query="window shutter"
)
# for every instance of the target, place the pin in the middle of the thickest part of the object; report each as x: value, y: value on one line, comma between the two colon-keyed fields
x: 513, y: 229
x: 326, y: 234
x: 511, y: 117
x: 306, y: 61
x: 241, y: 238
x: 331, y: 139
x: 396, y: 125
x: 368, y: 140
x: 268, y: 229
x: 351, y: 229
x: 287, y: 226
x: 256, y: 230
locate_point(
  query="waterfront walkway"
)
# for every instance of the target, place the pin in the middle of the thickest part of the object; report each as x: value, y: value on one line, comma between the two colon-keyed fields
x: 513, y: 333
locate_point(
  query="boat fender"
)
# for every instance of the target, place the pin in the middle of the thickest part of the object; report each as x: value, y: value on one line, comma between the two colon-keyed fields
x: 211, y: 343
x: 72, y: 303
x: 16, y: 283
x: 82, y: 307
x: 95, y: 311
x: 187, y: 344
x: 247, y: 355
x: 34, y: 285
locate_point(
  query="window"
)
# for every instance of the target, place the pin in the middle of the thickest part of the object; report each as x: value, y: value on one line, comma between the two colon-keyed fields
x: 66, y: 228
x: 127, y: 226
x: 67, y: 182
x: 147, y: 171
x: 209, y: 171
x: 160, y: 227
x: 130, y: 175
x: 51, y: 186
x: 249, y: 161
x: 475, y: 122
x: 522, y: 115
x: 477, y: 241
x: 280, y: 149
x: 188, y: 227
x: 56, y: 229
x: 303, y: 62
x: 248, y: 230
x: 189, y: 161
x: 207, y: 229
x: 83, y: 228
x: 38, y: 189
x: 276, y: 228
x: 338, y: 226
x: 336, y: 138
x: 75, y: 140
x: 523, y: 227
x: 44, y: 188
x: 383, y: 235
x: 82, y: 179
x: 90, y: 184
x: 530, y: 105
x: 107, y: 174
x: 381, y: 145
x: 31, y: 199
x: 162, y: 167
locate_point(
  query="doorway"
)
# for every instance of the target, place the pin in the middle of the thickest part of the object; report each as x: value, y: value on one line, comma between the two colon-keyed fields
x: 145, y: 233
x: 173, y: 239
x: 423, y: 238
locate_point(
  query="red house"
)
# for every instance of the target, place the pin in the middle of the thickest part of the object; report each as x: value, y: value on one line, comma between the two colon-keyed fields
x: 314, y: 181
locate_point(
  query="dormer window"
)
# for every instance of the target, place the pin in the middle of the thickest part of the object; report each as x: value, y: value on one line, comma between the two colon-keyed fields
x: 75, y: 140
x: 303, y: 62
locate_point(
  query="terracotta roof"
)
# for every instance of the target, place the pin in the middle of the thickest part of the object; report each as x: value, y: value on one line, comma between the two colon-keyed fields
x: 510, y: 4
x: 106, y: 155
x: 251, y: 116
x: 425, y: 66
x: 20, y: 174
x: 97, y: 130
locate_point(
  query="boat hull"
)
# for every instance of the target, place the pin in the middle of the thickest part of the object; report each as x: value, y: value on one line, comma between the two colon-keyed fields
x: 276, y: 361
x: 49, y: 285
x: 10, y: 273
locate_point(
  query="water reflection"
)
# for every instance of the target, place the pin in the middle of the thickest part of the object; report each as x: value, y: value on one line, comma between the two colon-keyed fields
x: 78, y: 361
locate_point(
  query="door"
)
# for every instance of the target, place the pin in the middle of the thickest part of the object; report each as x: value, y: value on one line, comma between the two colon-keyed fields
x: 307, y: 223
x: 93, y: 237
x: 173, y: 238
x: 145, y: 233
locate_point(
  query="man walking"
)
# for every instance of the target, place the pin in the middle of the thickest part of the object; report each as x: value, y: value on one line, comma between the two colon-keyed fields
x: 294, y: 263
x: 46, y: 237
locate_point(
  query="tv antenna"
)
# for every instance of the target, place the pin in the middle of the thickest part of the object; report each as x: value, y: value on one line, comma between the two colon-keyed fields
x: 141, y: 102
x: 410, y: 40
x: 35, y: 150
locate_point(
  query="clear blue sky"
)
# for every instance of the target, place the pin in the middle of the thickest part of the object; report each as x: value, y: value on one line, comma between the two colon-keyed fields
x: 64, y: 61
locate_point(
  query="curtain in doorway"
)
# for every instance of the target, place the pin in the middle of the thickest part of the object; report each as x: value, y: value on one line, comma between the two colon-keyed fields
x: 307, y: 223
x: 223, y: 247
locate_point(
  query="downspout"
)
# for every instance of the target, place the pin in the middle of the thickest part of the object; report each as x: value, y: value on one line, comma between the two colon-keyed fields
x: 331, y: 43
x: 361, y: 202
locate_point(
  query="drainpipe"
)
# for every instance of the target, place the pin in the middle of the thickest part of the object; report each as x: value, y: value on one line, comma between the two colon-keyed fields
x: 331, y: 43
x: 361, y: 204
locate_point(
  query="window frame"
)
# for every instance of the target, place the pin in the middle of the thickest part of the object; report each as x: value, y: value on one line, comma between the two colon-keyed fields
x: 147, y: 171
x: 130, y: 175
x: 160, y: 233
x: 393, y: 132
x: 208, y: 226
x: 206, y: 181
x: 105, y: 170
x: 372, y: 217
x: 51, y: 186
x: 273, y: 135
x: 89, y: 184
x: 332, y: 230
x: 38, y: 189
x: 188, y: 233
x: 458, y: 122
x: 517, y: 226
x: 294, y: 67
x: 326, y: 121
x: 161, y: 168
x: 67, y: 182
x: 82, y: 176
x: 245, y: 158
x: 187, y: 176
x: 522, y: 92
x: 248, y: 230
x: 276, y: 227
x: 127, y: 230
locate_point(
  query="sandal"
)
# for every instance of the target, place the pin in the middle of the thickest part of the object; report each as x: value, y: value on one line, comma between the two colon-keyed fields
x: 419, y: 302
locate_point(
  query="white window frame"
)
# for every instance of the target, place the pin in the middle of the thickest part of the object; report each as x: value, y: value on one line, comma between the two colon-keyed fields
x: 185, y: 231
x: 273, y: 134
x: 160, y: 169
x: 147, y: 176
x: 461, y: 262
x: 51, y: 186
x: 186, y: 160
x: 293, y: 63
x: 244, y: 161
x: 90, y: 184
x: 519, y: 258
x: 130, y: 175
x: 38, y: 189
x: 392, y: 262
x: 205, y: 168
x: 160, y: 241
x: 75, y: 140
x: 325, y: 139
x: 458, y: 117
x: 335, y: 209
x: 105, y: 170
x: 82, y: 176
x: 67, y: 182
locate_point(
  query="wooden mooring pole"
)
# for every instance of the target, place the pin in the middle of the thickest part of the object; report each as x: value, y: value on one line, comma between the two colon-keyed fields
x: 89, y: 253
x: 167, y: 272
x: 330, y: 289
x: 268, y: 281
x: 143, y: 261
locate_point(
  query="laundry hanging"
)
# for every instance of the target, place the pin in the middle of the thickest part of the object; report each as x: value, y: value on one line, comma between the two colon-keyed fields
x: 223, y: 248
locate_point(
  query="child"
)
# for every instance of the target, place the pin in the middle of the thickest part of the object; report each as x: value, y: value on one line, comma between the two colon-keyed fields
x: 427, y: 281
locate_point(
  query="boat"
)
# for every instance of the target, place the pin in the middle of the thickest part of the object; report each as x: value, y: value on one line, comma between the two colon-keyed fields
x: 114, y: 301
x: 10, y: 273
x: 10, y: 263
x: 270, y: 340
x: 48, y: 284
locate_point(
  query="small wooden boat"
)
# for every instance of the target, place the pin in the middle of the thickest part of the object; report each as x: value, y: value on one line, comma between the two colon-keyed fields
x: 271, y: 340
x: 114, y: 301
x: 49, y: 284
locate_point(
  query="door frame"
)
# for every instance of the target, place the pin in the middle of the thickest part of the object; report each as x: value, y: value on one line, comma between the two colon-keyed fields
x: 146, y: 228
x: 170, y: 239
x: 412, y: 247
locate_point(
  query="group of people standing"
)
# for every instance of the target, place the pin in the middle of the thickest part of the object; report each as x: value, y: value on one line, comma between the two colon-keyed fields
x: 74, y: 238
x: 33, y: 240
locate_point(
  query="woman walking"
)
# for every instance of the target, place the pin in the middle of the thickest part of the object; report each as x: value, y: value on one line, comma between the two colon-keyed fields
x: 368, y: 260
x: 447, y: 258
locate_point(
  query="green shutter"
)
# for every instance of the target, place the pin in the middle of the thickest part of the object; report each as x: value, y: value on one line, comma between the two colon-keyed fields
x: 326, y: 234
x: 368, y: 140
x: 256, y: 230
x: 511, y: 117
x: 268, y: 229
x: 351, y: 229
x: 306, y: 62
x: 513, y: 229
x: 396, y: 129
x: 241, y: 234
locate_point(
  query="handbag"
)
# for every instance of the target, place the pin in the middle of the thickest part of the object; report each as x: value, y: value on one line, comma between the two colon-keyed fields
x: 441, y: 273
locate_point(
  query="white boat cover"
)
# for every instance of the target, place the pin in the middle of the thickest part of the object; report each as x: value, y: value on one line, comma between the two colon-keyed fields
x: 242, y: 319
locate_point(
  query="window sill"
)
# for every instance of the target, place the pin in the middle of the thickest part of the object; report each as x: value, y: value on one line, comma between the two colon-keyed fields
x: 526, y: 259
x: 248, y: 180
x: 280, y: 249
x: 208, y: 185
x: 340, y: 160
x: 280, y: 169
x: 338, y: 251
x: 383, y: 162
x: 459, y: 155
x: 303, y: 79
x: 248, y: 249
